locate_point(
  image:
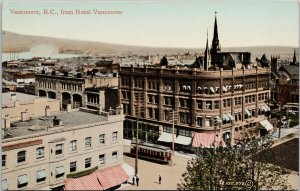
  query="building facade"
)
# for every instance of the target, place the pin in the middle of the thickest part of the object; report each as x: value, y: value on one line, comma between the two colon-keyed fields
x: 45, y: 152
x: 285, y: 82
x: 222, y: 97
x: 79, y: 90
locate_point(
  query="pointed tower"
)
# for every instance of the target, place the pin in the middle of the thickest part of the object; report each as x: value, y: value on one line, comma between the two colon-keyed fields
x: 206, y: 53
x: 215, y: 41
x: 294, y: 58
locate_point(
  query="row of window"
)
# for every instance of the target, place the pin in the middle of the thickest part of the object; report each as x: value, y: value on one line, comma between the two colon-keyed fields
x: 45, y: 84
x: 72, y: 87
x: 93, y: 98
x: 41, y: 175
x: 201, y: 89
x: 40, y: 151
x: 187, y: 103
x: 177, y: 131
x: 263, y: 96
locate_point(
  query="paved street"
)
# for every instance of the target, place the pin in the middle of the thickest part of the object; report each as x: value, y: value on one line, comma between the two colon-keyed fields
x: 149, y: 171
x: 171, y: 175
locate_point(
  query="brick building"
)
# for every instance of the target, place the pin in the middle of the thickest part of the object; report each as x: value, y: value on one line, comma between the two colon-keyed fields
x: 221, y: 97
x: 78, y: 90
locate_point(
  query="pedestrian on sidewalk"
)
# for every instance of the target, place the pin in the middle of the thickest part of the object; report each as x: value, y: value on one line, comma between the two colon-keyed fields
x: 133, y: 180
x: 137, y: 180
x: 159, y: 179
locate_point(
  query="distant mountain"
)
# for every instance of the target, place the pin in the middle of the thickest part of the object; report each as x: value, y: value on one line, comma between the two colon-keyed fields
x: 13, y: 42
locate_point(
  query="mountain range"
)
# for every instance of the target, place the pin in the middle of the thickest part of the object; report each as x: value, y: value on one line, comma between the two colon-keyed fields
x: 14, y: 42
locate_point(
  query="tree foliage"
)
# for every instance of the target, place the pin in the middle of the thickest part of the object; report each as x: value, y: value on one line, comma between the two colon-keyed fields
x: 241, y: 167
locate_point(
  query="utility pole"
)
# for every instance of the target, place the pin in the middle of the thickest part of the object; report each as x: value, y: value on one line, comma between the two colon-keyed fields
x: 174, y: 117
x: 137, y: 134
x: 215, y: 140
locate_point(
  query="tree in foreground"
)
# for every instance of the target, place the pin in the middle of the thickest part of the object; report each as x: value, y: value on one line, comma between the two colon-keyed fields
x: 242, y: 167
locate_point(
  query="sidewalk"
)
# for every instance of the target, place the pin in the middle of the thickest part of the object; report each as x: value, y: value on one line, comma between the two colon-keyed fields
x: 285, y: 132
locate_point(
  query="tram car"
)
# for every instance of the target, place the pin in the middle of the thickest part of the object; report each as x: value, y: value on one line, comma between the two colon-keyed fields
x: 152, y: 152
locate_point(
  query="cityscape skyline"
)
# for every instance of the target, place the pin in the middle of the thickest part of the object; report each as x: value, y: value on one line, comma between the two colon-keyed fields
x: 152, y: 23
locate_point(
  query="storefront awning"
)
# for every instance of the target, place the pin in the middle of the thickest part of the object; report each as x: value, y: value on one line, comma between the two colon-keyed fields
x: 41, y: 174
x: 22, y: 179
x: 230, y: 116
x: 225, y: 117
x: 59, y: 170
x: 263, y: 108
x: 166, y: 137
x: 266, y: 125
x: 206, y: 140
x: 267, y: 107
x: 99, y: 180
x: 227, y: 135
x: 212, y: 89
x: 111, y: 176
x: 89, y: 182
x: 247, y: 112
x: 183, y: 140
x: 218, y: 119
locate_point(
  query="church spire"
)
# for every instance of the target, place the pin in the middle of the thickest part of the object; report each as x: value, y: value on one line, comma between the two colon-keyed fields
x: 216, y: 27
x: 215, y: 42
x: 206, y: 53
x: 294, y: 58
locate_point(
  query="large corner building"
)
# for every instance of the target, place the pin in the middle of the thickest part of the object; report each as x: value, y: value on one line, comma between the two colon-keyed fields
x: 220, y: 98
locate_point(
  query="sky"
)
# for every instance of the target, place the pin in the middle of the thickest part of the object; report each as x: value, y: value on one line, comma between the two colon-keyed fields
x: 161, y: 23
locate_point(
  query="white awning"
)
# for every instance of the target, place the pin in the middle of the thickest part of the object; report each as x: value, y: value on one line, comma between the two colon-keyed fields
x: 218, y: 119
x: 227, y: 135
x: 22, y: 179
x: 59, y: 170
x: 166, y: 137
x: 225, y: 117
x: 4, y: 185
x: 267, y: 107
x: 184, y: 87
x: 188, y: 87
x: 212, y: 89
x: 217, y: 89
x: 230, y: 116
x: 183, y: 140
x: 224, y: 89
x: 247, y: 112
x: 41, y: 174
x: 263, y: 108
x: 266, y: 125
x: 199, y: 88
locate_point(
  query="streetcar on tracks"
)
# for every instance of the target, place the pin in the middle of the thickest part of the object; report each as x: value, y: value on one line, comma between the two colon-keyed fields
x: 152, y: 152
